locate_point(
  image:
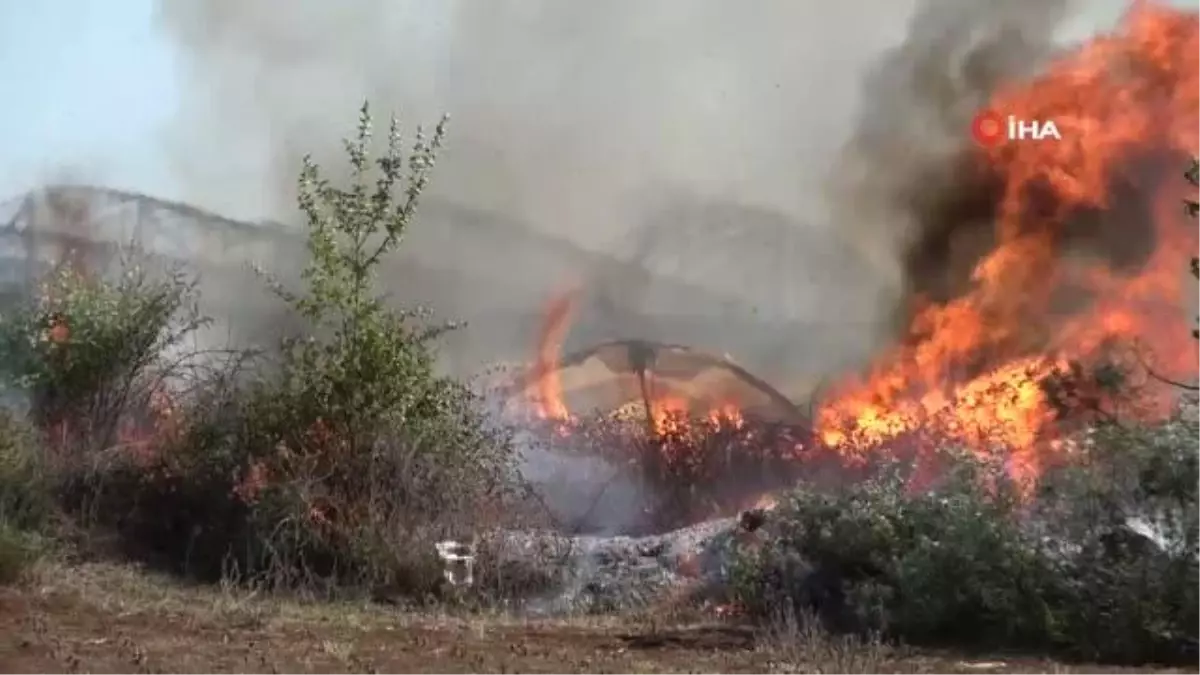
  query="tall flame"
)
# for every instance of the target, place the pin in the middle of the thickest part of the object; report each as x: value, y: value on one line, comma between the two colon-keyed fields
x: 1128, y: 109
x: 557, y: 322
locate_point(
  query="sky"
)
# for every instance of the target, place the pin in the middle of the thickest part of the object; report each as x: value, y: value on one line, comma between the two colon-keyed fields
x: 90, y: 85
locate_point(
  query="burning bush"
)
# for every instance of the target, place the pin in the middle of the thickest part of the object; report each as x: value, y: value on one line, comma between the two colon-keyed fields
x: 92, y: 356
x: 345, y: 457
x: 694, y: 434
x: 688, y: 468
x: 339, y: 458
x: 1092, y: 550
x: 1083, y: 246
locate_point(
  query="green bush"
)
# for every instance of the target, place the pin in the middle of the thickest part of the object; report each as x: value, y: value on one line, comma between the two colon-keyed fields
x: 339, y: 461
x: 1128, y: 508
x: 26, y: 498
x: 942, y: 565
x: 27, y: 503
x: 970, y: 562
x: 26, y: 489
x: 87, y: 353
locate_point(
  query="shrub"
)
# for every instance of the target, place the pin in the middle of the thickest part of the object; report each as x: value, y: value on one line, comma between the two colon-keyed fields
x: 1128, y: 510
x: 89, y: 354
x: 968, y: 561
x: 26, y: 498
x: 26, y: 491
x: 18, y: 551
x: 946, y: 564
x: 91, y: 359
x: 341, y: 460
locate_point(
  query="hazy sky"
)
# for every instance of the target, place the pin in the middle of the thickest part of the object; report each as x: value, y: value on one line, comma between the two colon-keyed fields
x: 89, y: 85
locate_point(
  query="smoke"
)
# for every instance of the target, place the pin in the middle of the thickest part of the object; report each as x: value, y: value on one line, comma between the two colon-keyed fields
x: 826, y: 135
x: 901, y: 188
x: 589, y: 123
x: 786, y: 171
x: 565, y: 113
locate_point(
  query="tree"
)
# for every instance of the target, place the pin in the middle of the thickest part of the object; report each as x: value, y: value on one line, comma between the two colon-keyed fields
x: 349, y: 457
x: 376, y: 362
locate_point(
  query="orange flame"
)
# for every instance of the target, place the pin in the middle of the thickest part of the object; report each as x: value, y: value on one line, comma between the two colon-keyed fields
x: 766, y: 503
x: 1128, y: 110
x: 668, y: 413
x: 550, y: 403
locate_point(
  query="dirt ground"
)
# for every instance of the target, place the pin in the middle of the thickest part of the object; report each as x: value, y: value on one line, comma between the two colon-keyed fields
x: 104, y: 618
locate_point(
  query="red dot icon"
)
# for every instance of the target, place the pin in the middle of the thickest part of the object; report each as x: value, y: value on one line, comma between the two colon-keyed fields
x: 987, y: 128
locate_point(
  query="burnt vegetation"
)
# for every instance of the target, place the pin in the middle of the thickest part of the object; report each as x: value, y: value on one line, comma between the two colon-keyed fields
x: 332, y: 462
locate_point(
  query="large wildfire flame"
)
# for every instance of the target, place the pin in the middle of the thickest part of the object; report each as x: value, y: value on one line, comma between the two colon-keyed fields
x: 1127, y: 108
x: 971, y: 368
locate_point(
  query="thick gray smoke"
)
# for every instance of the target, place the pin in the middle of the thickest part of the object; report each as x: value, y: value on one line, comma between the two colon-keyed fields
x: 588, y: 122
x: 565, y: 113
x: 772, y: 169
x: 765, y: 165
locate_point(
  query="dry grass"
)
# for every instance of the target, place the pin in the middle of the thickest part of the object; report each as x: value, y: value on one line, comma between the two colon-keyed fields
x: 111, y: 618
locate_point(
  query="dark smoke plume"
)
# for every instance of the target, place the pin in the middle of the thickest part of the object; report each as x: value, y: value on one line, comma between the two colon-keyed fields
x: 903, y: 187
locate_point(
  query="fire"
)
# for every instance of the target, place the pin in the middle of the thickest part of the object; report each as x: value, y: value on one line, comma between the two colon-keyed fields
x: 550, y: 403
x: 668, y: 414
x: 671, y: 415
x: 766, y: 503
x: 1090, y: 252
x: 1128, y: 109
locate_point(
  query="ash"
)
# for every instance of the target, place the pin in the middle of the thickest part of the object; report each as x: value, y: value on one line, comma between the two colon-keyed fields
x: 597, y: 574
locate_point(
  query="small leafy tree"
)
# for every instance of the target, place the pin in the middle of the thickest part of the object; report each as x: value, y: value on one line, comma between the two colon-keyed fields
x: 340, y: 462
x: 375, y: 364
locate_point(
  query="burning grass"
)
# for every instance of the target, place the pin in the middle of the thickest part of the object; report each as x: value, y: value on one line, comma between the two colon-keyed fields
x: 697, y: 467
x: 690, y: 469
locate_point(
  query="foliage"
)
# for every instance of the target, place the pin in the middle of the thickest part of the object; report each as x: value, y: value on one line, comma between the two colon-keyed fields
x: 91, y: 358
x: 25, y: 492
x: 18, y: 551
x: 946, y: 564
x: 342, y: 460
x: 970, y: 560
x: 89, y: 353
x: 1128, y: 508
x: 26, y: 504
